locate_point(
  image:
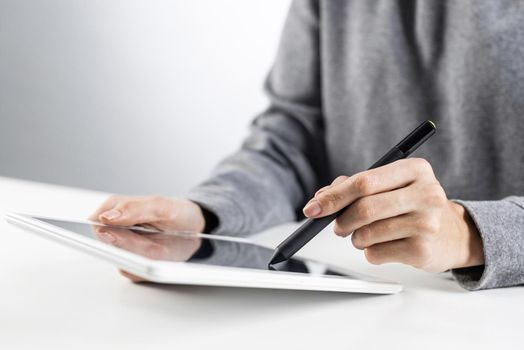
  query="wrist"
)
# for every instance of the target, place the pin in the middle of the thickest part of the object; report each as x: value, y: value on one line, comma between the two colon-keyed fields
x: 207, y: 220
x: 471, y: 251
x: 195, y: 219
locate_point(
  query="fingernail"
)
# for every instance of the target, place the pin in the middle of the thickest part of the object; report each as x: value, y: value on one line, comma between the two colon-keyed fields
x: 106, y: 236
x: 111, y: 214
x: 312, y: 208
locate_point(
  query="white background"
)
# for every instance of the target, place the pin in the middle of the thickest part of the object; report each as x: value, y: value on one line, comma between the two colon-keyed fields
x: 130, y: 96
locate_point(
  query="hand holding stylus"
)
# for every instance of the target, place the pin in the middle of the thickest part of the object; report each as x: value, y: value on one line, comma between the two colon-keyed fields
x: 400, y: 213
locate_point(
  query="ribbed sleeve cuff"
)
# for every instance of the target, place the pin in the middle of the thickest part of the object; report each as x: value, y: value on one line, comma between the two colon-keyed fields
x: 500, y: 224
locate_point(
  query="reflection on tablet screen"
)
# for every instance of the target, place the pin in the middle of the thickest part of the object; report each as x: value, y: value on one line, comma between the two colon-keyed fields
x: 194, y: 249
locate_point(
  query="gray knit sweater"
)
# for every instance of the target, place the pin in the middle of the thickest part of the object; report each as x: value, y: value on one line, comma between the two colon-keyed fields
x: 350, y: 73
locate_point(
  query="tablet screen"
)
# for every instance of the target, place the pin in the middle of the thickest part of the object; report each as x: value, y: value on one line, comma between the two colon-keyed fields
x: 194, y: 248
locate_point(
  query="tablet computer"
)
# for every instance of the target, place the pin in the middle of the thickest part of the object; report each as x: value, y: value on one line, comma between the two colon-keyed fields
x: 198, y: 259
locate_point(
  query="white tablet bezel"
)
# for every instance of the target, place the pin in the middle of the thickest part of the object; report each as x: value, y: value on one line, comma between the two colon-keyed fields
x: 201, y: 274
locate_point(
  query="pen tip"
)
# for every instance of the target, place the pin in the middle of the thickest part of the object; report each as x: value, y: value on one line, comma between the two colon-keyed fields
x: 433, y: 124
x: 275, y: 259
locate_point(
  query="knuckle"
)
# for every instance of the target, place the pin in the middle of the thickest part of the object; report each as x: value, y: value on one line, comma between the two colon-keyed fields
x: 131, y: 207
x: 429, y: 225
x: 161, y: 212
x: 387, y: 226
x: 422, y: 165
x: 364, y: 209
x: 321, y: 190
x: 330, y: 199
x: 159, y: 207
x: 364, y: 184
x: 126, y: 206
x: 435, y: 195
x: 340, y: 179
x: 164, y: 210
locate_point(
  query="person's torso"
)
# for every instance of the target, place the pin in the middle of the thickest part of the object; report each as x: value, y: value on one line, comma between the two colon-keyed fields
x: 388, y: 65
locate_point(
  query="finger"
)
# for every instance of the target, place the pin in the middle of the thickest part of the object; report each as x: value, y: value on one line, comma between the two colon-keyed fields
x: 385, y: 178
x: 338, y: 180
x: 367, y: 210
x: 387, y: 230
x: 410, y: 251
x: 133, y: 278
x: 138, y: 211
x: 105, y: 206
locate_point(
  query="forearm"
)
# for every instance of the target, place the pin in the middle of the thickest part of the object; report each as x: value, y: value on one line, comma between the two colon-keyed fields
x: 248, y: 193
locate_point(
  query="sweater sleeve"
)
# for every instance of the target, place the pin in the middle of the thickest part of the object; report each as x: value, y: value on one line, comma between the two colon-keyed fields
x: 282, y: 161
x: 501, y: 226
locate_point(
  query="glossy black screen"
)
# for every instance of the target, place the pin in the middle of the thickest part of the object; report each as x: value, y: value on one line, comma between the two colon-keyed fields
x: 201, y: 249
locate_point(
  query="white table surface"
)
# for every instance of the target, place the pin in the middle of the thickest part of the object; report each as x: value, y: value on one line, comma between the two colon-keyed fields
x: 52, y: 296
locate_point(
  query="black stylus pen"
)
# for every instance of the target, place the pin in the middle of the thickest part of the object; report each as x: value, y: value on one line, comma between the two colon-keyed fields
x: 312, y: 227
